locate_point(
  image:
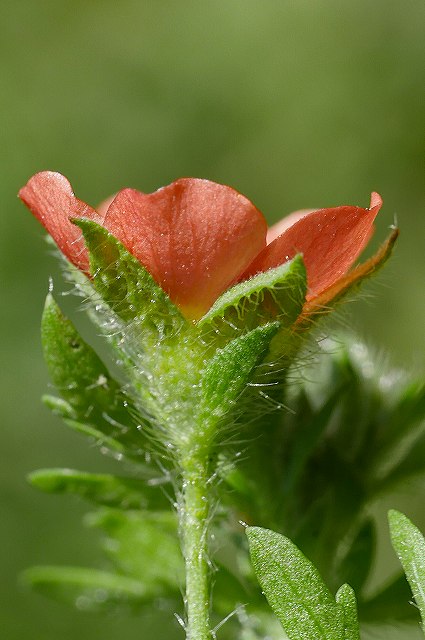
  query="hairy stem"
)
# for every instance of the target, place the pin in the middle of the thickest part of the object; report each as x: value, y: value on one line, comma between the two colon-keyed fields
x: 194, y: 510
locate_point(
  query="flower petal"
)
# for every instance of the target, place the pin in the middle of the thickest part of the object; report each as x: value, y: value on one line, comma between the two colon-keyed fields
x: 329, y: 239
x: 50, y: 197
x: 194, y: 236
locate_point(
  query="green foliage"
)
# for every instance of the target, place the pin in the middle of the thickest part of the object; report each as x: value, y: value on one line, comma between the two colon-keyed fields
x: 297, y: 593
x: 409, y: 544
x: 310, y: 473
x: 325, y: 518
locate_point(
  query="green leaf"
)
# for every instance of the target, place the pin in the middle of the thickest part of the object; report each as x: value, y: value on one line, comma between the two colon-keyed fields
x: 126, y: 286
x: 76, y: 370
x: 91, y: 398
x: 231, y: 368
x: 409, y: 544
x: 104, y: 489
x: 276, y: 294
x: 87, y: 589
x: 346, y: 597
x: 294, y: 588
x: 143, y: 545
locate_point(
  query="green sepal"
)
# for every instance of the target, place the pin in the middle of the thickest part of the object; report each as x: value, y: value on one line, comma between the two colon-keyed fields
x: 125, y: 285
x: 409, y: 544
x: 143, y: 545
x: 294, y: 589
x: 229, y: 371
x: 92, y: 401
x: 101, y: 488
x: 346, y: 597
x: 87, y: 589
x: 276, y: 294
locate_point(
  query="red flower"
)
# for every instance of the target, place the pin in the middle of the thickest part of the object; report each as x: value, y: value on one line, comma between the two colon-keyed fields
x: 197, y: 238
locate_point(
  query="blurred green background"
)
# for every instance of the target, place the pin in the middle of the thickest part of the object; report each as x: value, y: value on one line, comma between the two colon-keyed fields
x: 296, y: 103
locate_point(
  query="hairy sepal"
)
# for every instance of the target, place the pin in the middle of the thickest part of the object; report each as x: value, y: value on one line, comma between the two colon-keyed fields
x: 276, y: 294
x: 126, y: 286
x: 294, y: 588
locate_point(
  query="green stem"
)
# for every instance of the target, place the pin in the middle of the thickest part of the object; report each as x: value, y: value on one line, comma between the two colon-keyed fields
x: 194, y: 511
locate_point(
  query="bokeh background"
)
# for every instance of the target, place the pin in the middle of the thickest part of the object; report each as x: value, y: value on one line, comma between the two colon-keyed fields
x: 296, y: 103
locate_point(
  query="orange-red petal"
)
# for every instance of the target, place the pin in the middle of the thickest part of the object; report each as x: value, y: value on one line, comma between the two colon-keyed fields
x: 280, y: 227
x: 49, y: 196
x: 194, y: 236
x: 329, y: 239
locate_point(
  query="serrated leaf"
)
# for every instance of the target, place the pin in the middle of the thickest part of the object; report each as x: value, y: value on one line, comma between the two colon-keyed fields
x: 229, y: 371
x: 126, y: 285
x: 346, y: 597
x: 87, y: 589
x: 101, y: 488
x: 294, y: 588
x: 84, y: 382
x: 276, y: 294
x: 143, y: 545
x: 409, y: 544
